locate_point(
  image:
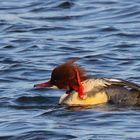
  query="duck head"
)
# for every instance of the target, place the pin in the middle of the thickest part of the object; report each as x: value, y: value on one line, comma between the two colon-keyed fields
x: 67, y: 76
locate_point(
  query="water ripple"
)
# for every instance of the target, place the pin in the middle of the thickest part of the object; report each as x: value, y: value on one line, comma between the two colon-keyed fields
x: 36, y: 36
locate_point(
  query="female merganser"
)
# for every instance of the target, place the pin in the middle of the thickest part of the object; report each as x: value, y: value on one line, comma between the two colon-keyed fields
x: 82, y: 90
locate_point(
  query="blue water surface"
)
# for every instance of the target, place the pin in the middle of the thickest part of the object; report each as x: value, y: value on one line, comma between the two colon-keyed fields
x: 36, y: 36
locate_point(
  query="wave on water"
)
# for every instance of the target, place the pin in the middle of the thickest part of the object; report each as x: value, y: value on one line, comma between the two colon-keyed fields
x: 36, y: 36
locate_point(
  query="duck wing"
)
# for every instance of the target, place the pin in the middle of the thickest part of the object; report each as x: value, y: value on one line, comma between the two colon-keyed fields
x: 120, y: 82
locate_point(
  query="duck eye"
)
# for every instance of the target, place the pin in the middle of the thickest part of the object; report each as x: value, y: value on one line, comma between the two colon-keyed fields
x: 55, y: 81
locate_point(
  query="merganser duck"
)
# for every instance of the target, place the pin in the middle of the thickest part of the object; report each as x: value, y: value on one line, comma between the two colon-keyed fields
x: 82, y: 90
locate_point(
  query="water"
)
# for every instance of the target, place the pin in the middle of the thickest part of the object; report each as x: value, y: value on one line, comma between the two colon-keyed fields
x: 35, y: 36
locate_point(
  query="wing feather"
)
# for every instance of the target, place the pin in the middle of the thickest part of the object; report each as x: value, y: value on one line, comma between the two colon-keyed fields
x: 121, y: 82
